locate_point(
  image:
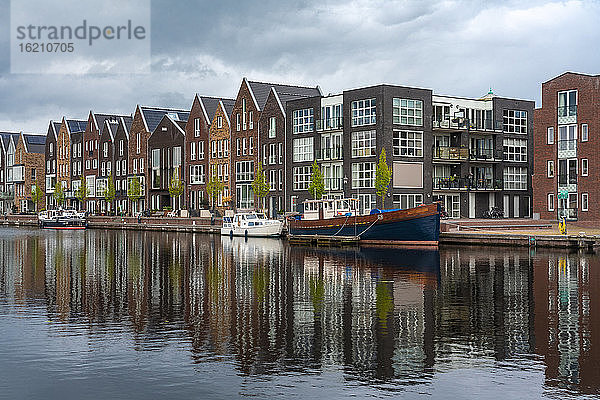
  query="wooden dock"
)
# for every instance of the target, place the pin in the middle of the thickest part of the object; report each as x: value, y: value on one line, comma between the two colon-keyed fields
x: 323, y: 240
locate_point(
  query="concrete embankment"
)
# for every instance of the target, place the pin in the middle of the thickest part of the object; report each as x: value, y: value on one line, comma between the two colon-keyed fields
x: 517, y: 239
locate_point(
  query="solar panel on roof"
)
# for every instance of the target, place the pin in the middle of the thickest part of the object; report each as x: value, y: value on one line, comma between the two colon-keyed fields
x: 36, y: 139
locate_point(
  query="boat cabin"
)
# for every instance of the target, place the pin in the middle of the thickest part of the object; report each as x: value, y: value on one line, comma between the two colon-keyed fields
x: 245, y: 220
x: 330, y: 208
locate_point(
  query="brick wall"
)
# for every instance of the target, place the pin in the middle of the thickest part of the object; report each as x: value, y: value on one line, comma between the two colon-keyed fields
x: 215, y: 134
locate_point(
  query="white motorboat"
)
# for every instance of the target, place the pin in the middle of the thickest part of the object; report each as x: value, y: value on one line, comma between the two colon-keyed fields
x: 62, y: 219
x: 251, y: 224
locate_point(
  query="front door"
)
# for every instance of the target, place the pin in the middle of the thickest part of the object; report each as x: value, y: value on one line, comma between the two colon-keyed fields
x: 506, y: 206
x: 516, y: 206
x: 471, y: 205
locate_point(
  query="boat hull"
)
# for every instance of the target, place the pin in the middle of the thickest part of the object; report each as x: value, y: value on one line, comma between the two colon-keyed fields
x: 53, y: 224
x: 418, y: 226
x: 272, y: 230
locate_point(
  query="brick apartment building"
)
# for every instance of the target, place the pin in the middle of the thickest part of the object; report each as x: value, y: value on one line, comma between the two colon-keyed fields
x: 220, y: 157
x: 28, y: 171
x: 566, y: 148
x: 8, y: 141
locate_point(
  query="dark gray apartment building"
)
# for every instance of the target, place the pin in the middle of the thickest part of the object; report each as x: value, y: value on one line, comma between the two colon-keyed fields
x: 469, y: 154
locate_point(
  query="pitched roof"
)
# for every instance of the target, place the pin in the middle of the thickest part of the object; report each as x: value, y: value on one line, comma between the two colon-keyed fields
x: 228, y: 106
x: 35, y: 143
x: 76, y: 125
x: 260, y: 91
x: 6, y: 136
x: 211, y: 104
x: 126, y: 122
x: 100, y: 118
x: 153, y: 115
x: 109, y: 128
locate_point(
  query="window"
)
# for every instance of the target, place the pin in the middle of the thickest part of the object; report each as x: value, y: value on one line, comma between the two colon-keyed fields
x: 213, y: 149
x: 363, y: 112
x: 121, y: 147
x: 220, y: 149
x: 244, y: 171
x: 280, y: 153
x: 237, y: 120
x: 117, y: 168
x: 515, y: 178
x: 303, y: 149
x: 363, y: 175
x: 95, y: 163
x: 176, y: 157
x: 244, y: 113
x: 515, y: 149
x: 550, y: 135
x: 226, y: 148
x: 87, y: 164
x: 302, y: 120
x: 237, y: 145
x: 408, y: 143
x: 196, y: 174
x: 280, y: 179
x: 302, y: 177
x: 201, y: 150
x: 272, y: 180
x: 193, y: 151
x: 105, y: 149
x: 567, y: 137
x: 251, y: 152
x: 567, y: 103
x: 51, y: 148
x: 584, y: 132
x: 272, y: 153
x: 135, y: 164
x: 407, y: 112
x: 515, y: 121
x: 550, y: 168
x: 123, y: 166
x: 244, y: 147
x: 363, y: 143
x: 405, y: 201
x: 584, y: 201
x: 550, y: 201
x: 141, y: 165
x: 225, y: 172
x: 196, y: 127
x: 584, y: 167
x: 138, y: 143
x: 245, y: 196
x: 251, y: 120
x: 264, y: 153
x: 272, y: 127
x: 219, y: 122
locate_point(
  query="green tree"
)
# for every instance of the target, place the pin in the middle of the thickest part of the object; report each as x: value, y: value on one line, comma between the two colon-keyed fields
x: 383, y: 176
x: 36, y: 195
x: 134, y: 191
x: 214, y: 187
x: 110, y: 193
x: 260, y: 185
x: 82, y: 192
x: 176, y: 185
x: 317, y: 183
x: 59, y: 193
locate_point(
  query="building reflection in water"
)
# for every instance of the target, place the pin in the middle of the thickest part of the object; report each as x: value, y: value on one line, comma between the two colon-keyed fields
x: 380, y: 315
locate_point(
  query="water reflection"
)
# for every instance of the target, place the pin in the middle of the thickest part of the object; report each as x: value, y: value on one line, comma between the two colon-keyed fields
x: 380, y: 316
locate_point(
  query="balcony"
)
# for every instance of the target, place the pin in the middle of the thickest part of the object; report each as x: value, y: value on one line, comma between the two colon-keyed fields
x: 485, y: 125
x: 451, y: 123
x: 568, y: 213
x: 450, y: 153
x: 567, y: 148
x: 333, y: 183
x: 334, y: 153
x: 484, y: 154
x: 329, y: 124
x: 18, y: 173
x: 7, y: 195
x: 564, y: 179
x: 454, y: 183
x: 567, y: 114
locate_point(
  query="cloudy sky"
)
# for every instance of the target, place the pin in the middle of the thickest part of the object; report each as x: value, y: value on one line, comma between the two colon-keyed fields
x: 453, y: 47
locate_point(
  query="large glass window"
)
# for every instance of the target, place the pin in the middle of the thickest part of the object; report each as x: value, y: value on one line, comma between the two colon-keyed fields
x: 244, y: 171
x: 363, y: 143
x: 363, y: 112
x: 303, y: 149
x: 515, y: 178
x: 515, y: 149
x: 363, y: 175
x: 405, y: 201
x: 302, y: 177
x: 515, y: 121
x: 245, y: 196
x: 567, y: 103
x: 408, y: 143
x: 196, y: 174
x: 302, y: 120
x: 407, y: 112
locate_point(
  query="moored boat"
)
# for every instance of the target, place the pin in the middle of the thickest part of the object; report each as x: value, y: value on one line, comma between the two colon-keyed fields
x: 414, y: 226
x: 62, y: 219
x: 251, y: 224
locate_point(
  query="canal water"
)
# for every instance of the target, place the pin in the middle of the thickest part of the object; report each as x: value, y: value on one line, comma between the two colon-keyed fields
x: 141, y: 315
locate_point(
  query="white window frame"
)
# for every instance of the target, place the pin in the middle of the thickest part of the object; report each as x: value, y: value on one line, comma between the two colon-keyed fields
x: 303, y: 149
x: 514, y: 121
x: 219, y: 121
x: 280, y: 153
x: 408, y: 143
x: 301, y: 177
x: 272, y: 127
x: 364, y: 143
x: 364, y: 112
x: 196, y: 127
x: 584, y: 202
x: 410, y: 200
x: 550, y: 201
x: 407, y: 111
x: 363, y: 175
x: 585, y: 164
x: 193, y: 151
x: 510, y: 146
x: 550, y: 171
x: 510, y: 174
x: 302, y: 120
x: 584, y: 132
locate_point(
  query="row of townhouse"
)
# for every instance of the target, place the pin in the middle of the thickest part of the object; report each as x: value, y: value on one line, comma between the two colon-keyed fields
x: 471, y: 154
x: 21, y: 171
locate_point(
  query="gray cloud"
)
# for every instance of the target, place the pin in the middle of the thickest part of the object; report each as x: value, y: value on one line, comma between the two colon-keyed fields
x: 457, y: 47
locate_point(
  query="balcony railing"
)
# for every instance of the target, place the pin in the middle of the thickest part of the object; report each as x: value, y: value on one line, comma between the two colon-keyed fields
x: 564, y: 179
x: 450, y: 153
x: 482, y: 154
x: 445, y: 183
x: 333, y: 183
x: 567, y: 111
x: 328, y: 124
x: 568, y: 213
x: 567, y: 144
x: 334, y: 153
x: 8, y: 195
x: 451, y: 123
x: 465, y: 123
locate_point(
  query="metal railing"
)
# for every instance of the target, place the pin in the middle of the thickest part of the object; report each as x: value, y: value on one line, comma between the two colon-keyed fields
x: 567, y: 111
x: 567, y: 144
x: 482, y: 154
x: 465, y: 123
x: 333, y: 153
x: 441, y: 183
x: 450, y: 153
x: 327, y: 124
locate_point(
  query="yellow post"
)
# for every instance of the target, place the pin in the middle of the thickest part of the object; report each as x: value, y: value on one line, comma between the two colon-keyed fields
x: 562, y: 226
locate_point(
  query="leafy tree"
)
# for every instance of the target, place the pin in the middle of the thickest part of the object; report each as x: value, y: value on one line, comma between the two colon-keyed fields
x: 82, y: 192
x: 383, y: 176
x: 36, y: 195
x: 134, y: 191
x: 260, y: 185
x: 214, y: 187
x: 317, y: 183
x: 110, y: 193
x: 59, y: 193
x: 176, y: 185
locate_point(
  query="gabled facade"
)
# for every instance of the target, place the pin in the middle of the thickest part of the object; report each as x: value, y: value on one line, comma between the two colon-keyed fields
x: 106, y: 161
x: 251, y: 99
x: 50, y: 156
x: 77, y: 165
x: 9, y: 144
x: 64, y: 149
x: 565, y: 178
x: 165, y: 149
x: 28, y: 171
x: 145, y: 121
x: 219, y: 154
x: 121, y: 152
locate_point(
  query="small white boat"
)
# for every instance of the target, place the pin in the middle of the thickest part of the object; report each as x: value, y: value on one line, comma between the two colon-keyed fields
x: 62, y: 219
x: 251, y: 224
